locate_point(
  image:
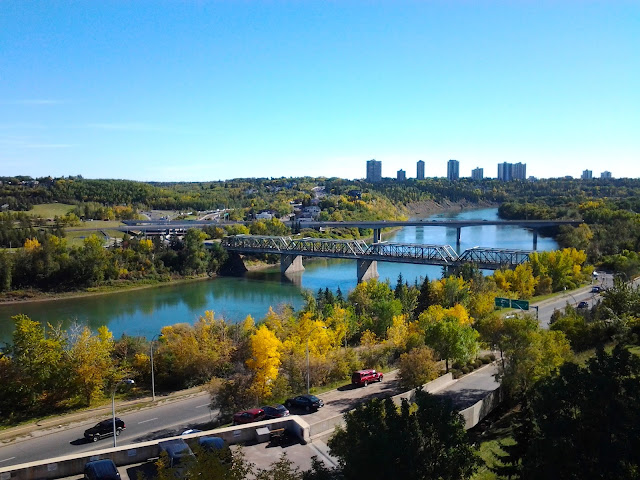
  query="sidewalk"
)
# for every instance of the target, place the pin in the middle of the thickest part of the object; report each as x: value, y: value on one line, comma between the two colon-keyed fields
x: 92, y: 415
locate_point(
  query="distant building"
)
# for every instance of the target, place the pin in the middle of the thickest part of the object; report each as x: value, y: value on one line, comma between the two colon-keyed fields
x: 477, y: 173
x: 420, y: 174
x: 374, y: 171
x: 605, y: 174
x: 519, y: 171
x: 586, y: 175
x: 504, y: 171
x: 453, y: 170
x: 266, y: 215
x: 512, y: 171
x: 355, y: 194
x: 402, y: 175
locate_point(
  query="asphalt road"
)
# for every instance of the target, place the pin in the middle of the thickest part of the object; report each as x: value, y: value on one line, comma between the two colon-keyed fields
x: 547, y: 307
x: 171, y: 419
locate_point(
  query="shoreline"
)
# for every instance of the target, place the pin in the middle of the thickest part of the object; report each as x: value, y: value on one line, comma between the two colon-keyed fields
x: 419, y: 209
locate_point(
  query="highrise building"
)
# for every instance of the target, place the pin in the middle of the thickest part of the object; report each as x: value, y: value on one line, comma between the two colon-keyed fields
x: 512, y: 171
x: 420, y: 174
x: 477, y: 173
x: 453, y: 170
x: 374, y: 171
x: 504, y: 171
x: 519, y: 171
x: 605, y: 174
x: 402, y: 175
x: 586, y: 175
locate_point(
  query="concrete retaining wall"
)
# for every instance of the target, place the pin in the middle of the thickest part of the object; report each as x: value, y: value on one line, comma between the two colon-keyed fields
x: 475, y: 413
x: 140, y: 452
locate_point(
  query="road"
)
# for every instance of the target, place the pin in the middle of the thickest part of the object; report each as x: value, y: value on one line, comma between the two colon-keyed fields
x: 171, y: 419
x: 547, y: 307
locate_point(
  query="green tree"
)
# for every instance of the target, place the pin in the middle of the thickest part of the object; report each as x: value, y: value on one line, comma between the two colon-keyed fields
x: 427, y: 443
x: 583, y: 422
x: 451, y: 339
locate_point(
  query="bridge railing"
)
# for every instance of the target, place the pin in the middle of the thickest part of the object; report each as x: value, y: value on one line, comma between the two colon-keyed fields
x: 495, y: 256
x: 258, y: 242
x: 443, y: 253
x: 328, y: 245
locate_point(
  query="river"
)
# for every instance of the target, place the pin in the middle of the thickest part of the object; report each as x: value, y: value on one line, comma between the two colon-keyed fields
x: 144, y: 312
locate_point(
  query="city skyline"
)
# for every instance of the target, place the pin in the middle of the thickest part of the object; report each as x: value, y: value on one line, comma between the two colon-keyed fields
x: 171, y: 91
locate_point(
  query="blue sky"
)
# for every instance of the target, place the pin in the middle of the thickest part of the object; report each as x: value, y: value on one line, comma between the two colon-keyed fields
x: 199, y: 90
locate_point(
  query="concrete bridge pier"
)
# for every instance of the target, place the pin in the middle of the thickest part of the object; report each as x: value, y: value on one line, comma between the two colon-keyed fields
x: 535, y: 239
x: 376, y: 235
x: 458, y: 231
x: 291, y: 264
x: 367, y: 269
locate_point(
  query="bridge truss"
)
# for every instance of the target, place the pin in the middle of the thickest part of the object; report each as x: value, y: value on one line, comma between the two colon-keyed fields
x: 444, y: 255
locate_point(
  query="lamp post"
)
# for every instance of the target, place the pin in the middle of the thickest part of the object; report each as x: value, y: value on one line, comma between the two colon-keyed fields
x: 153, y: 380
x: 127, y: 381
x: 308, y: 336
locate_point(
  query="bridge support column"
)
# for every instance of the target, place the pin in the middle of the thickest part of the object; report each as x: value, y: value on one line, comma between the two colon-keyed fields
x: 458, y: 231
x: 367, y: 269
x: 376, y: 235
x: 535, y: 239
x: 291, y: 264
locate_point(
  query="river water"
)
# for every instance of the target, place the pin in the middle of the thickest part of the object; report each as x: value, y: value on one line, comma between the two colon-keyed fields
x: 144, y: 312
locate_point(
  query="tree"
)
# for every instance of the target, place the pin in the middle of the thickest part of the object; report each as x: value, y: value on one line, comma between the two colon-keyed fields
x: 531, y: 354
x: 264, y: 361
x: 427, y: 443
x: 417, y: 367
x: 451, y: 339
x: 583, y: 422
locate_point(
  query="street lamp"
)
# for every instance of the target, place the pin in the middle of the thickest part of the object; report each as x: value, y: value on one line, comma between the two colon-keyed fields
x: 153, y: 382
x: 308, y: 336
x: 126, y: 381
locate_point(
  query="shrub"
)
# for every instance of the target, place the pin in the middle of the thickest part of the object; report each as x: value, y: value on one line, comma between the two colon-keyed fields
x: 417, y: 367
x: 478, y: 363
x: 465, y: 370
x: 485, y: 360
x: 456, y: 373
x: 492, y: 357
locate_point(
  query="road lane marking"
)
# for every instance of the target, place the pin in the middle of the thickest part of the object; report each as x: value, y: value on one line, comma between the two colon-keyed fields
x: 205, y: 405
x: 150, y: 420
x: 7, y: 459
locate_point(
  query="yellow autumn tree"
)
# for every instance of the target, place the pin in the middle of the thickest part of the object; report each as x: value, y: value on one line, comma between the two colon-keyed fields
x: 398, y: 332
x: 437, y: 313
x: 264, y: 361
x: 31, y: 244
x: 91, y: 361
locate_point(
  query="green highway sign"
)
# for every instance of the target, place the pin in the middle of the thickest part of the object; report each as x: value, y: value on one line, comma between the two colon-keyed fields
x: 502, y: 302
x: 521, y: 304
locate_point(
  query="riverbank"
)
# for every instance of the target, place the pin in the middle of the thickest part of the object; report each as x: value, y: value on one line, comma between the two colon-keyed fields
x: 33, y: 296
x: 430, y: 207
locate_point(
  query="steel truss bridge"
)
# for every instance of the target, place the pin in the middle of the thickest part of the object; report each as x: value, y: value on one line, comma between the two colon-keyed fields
x: 443, y: 255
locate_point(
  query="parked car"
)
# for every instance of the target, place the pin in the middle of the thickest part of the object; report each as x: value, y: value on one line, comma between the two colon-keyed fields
x: 190, y: 431
x: 583, y: 304
x: 104, y: 429
x: 596, y: 289
x: 275, y: 411
x: 178, y: 453
x: 362, y: 378
x: 101, y: 470
x: 248, y: 416
x: 211, y: 444
x: 305, y: 402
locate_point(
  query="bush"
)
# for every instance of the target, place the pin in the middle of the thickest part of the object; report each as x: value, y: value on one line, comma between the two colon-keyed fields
x: 456, y: 373
x: 457, y: 365
x: 417, y: 367
x: 478, y: 363
x: 492, y: 357
x: 465, y: 370
x: 485, y: 360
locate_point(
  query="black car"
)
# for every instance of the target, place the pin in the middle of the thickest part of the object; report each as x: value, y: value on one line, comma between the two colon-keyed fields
x: 583, y: 305
x: 104, y: 429
x: 596, y: 289
x: 101, y: 470
x: 275, y: 411
x: 305, y: 402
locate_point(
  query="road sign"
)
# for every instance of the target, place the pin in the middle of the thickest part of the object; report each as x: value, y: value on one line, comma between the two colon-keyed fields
x: 521, y: 304
x: 502, y: 302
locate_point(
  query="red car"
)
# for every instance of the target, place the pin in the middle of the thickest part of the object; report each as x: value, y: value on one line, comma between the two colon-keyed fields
x: 248, y: 416
x: 365, y: 377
